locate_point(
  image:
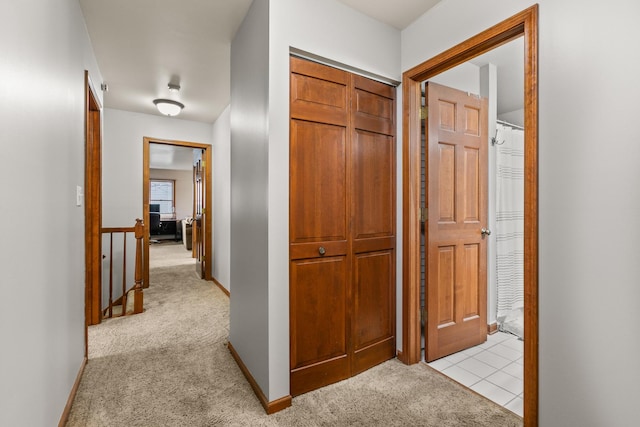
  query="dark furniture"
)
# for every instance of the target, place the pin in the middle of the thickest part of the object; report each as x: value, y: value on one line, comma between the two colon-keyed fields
x: 154, y: 218
x: 168, y: 228
x: 154, y: 223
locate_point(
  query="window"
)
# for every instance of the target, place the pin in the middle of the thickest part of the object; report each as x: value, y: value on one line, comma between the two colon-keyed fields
x: 163, y: 193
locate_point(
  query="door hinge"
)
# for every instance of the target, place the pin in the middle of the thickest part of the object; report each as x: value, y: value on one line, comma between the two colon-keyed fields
x: 424, y: 212
x: 424, y: 112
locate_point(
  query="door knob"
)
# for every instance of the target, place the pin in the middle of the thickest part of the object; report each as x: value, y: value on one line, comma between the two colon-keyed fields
x: 321, y: 250
x: 485, y: 231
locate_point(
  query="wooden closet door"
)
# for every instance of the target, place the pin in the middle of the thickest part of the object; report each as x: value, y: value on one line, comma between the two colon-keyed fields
x: 373, y: 223
x: 319, y: 266
x: 342, y: 225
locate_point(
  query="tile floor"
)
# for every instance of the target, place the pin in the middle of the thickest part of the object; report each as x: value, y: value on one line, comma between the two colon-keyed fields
x: 493, y: 369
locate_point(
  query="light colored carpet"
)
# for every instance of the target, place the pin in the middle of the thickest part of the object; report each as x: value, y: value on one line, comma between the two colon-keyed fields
x: 170, y: 367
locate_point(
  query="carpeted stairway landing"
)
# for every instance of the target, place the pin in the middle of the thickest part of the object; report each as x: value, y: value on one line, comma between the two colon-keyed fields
x: 170, y: 367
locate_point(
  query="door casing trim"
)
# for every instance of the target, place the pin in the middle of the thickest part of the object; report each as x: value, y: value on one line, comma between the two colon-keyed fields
x: 523, y: 24
x: 92, y: 206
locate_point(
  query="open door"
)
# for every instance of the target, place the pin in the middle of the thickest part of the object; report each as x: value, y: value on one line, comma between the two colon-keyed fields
x: 198, y: 214
x: 92, y: 206
x: 456, y: 287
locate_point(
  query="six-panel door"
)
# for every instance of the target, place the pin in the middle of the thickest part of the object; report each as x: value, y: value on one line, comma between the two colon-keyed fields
x: 457, y: 212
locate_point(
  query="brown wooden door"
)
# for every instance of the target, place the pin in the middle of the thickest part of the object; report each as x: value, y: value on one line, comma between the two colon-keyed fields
x: 457, y: 212
x: 93, y: 208
x: 198, y: 231
x: 373, y: 198
x: 342, y: 225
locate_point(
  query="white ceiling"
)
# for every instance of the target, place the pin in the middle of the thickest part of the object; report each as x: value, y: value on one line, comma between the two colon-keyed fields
x: 142, y: 45
x: 397, y: 13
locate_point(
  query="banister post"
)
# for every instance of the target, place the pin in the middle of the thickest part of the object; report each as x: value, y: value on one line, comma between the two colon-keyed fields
x: 138, y: 299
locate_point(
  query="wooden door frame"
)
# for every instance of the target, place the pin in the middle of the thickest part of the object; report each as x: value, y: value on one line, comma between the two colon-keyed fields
x: 208, y: 212
x: 523, y: 24
x: 92, y: 207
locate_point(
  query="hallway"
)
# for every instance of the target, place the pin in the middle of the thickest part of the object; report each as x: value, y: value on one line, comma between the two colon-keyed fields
x: 170, y: 366
x: 161, y: 366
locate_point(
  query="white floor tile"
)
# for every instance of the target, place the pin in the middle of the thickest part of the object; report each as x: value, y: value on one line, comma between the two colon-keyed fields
x: 464, y: 377
x: 506, y: 352
x: 514, y: 344
x: 494, y: 369
x: 516, y: 406
x: 492, y: 359
x: 494, y: 339
x: 440, y: 364
x: 487, y: 344
x: 493, y: 392
x: 456, y: 358
x: 506, y: 381
x: 499, y: 337
x: 477, y: 367
x: 473, y: 350
x: 514, y: 369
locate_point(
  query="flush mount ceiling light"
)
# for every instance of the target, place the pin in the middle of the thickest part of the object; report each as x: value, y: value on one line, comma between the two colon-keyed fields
x: 168, y: 107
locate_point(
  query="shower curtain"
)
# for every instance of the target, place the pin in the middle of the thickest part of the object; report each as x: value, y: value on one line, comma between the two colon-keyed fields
x: 510, y: 229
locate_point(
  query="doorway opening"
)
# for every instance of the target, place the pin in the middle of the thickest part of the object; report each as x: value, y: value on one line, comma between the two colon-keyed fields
x: 490, y: 183
x: 522, y: 25
x: 177, y: 209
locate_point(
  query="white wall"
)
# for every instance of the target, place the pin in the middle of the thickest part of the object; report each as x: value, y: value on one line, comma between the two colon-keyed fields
x: 260, y: 160
x: 489, y: 89
x: 249, y: 321
x: 332, y: 30
x: 588, y: 165
x: 464, y: 77
x: 45, y: 50
x: 183, y: 189
x: 221, y: 144
x: 122, y: 158
x: 515, y: 117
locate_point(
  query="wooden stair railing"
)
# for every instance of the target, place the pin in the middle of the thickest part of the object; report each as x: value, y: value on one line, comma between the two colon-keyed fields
x: 132, y: 299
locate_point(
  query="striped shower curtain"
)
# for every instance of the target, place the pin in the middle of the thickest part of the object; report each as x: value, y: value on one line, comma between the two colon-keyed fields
x: 510, y: 229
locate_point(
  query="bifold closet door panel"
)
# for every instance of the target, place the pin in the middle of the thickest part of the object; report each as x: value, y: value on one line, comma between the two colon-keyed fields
x: 320, y: 262
x: 373, y: 223
x: 342, y: 224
